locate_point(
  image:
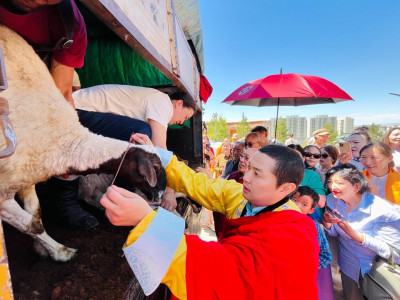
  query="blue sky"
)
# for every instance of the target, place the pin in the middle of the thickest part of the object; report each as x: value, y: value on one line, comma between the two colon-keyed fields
x: 355, y: 44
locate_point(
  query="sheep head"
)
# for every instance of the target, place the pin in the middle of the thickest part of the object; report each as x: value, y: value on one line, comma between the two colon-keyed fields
x: 142, y: 169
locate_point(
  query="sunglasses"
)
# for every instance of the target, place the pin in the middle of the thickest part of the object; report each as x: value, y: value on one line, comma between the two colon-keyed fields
x: 324, y: 155
x: 316, y: 156
x: 250, y: 144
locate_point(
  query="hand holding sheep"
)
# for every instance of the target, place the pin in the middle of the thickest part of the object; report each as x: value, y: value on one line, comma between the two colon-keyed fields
x: 141, y: 139
x: 124, y: 208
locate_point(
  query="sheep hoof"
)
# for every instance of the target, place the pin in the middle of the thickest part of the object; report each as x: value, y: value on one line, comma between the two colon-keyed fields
x: 39, y: 249
x: 64, y: 254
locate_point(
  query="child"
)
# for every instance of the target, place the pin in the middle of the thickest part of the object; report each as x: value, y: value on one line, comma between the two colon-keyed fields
x: 307, y: 199
x: 268, y: 250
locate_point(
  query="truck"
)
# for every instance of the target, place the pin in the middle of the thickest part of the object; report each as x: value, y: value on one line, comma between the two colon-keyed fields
x: 149, y: 43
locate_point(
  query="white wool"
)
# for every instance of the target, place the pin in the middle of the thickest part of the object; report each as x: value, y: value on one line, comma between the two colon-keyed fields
x: 50, y: 139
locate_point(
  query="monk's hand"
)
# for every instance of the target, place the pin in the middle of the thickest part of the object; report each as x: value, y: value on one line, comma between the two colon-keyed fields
x: 124, y: 208
x: 169, y: 200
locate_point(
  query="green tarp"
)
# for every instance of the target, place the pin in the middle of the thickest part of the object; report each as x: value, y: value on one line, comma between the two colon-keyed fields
x: 109, y: 60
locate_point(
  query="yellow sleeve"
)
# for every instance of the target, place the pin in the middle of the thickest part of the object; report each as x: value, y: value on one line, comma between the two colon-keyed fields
x: 224, y: 196
x: 175, y: 278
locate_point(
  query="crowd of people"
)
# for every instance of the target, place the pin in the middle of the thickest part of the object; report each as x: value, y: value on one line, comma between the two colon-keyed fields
x: 360, y: 186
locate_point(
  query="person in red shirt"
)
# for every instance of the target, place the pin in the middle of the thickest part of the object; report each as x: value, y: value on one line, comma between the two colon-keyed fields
x: 267, y: 250
x: 40, y: 24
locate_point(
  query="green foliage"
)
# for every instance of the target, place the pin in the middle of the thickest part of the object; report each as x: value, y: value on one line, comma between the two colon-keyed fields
x: 243, y: 127
x: 328, y: 126
x: 282, y: 132
x: 375, y: 133
x: 217, y: 128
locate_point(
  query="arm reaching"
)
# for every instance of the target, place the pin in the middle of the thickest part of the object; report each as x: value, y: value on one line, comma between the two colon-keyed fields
x: 124, y: 208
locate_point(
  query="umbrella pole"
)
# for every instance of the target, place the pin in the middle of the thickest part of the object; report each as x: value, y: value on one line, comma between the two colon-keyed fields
x: 276, y: 120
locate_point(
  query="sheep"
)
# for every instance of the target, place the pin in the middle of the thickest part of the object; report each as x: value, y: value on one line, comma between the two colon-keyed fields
x: 51, y: 141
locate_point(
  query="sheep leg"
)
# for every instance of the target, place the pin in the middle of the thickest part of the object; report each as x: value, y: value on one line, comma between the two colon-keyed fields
x: 32, y: 206
x: 14, y: 215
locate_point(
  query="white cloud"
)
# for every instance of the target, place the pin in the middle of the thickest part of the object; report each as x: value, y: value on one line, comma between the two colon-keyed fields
x: 363, y: 118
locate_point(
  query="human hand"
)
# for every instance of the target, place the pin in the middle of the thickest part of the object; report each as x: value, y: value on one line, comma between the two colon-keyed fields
x: 205, y: 170
x: 141, y: 139
x: 169, y: 200
x: 124, y: 208
x: 328, y: 219
x: 344, y: 157
x: 355, y: 235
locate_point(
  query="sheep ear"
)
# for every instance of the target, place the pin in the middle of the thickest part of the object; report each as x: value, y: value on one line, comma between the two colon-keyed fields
x: 147, y: 171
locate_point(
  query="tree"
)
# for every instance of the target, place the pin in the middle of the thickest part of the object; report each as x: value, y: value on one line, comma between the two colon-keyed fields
x: 375, y: 133
x: 243, y: 127
x: 217, y: 128
x: 282, y: 132
x: 333, y: 133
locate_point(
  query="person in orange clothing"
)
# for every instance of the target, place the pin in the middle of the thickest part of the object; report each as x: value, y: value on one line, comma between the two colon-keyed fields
x: 219, y: 148
x: 378, y: 162
x: 222, y: 157
x: 268, y: 249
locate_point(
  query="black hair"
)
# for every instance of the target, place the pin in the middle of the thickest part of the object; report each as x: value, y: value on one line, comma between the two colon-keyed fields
x: 259, y: 128
x: 289, y: 167
x: 298, y: 148
x: 350, y: 173
x: 307, y: 191
x: 187, y: 100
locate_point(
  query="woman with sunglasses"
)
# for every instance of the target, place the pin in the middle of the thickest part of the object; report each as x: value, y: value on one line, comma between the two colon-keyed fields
x: 384, y: 180
x: 364, y: 223
x: 312, y: 154
x: 329, y: 155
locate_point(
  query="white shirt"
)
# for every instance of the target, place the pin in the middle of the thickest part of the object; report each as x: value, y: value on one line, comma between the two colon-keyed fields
x: 379, y: 220
x: 380, y: 183
x: 136, y: 102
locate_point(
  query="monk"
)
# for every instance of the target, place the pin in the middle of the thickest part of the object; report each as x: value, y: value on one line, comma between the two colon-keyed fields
x: 268, y: 249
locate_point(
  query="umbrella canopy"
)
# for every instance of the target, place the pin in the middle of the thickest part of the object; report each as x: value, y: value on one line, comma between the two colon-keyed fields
x: 287, y: 90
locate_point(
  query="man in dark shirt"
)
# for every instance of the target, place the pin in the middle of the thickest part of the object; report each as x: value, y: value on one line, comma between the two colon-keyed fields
x: 232, y: 164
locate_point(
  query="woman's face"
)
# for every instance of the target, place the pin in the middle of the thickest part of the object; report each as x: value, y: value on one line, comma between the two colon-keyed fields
x: 356, y: 143
x: 375, y: 162
x: 244, y: 160
x: 311, y: 160
x: 394, y: 138
x: 327, y: 161
x: 342, y: 188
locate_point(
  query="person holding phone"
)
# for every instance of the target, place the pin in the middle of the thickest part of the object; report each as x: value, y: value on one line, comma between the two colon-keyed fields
x: 356, y: 141
x: 364, y: 223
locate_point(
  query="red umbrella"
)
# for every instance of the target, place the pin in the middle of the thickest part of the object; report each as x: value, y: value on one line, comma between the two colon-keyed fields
x: 287, y: 90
